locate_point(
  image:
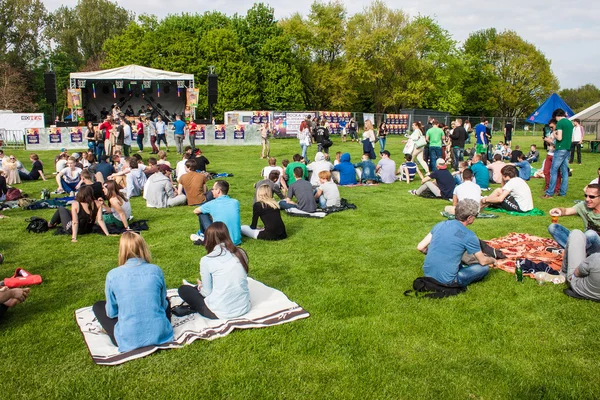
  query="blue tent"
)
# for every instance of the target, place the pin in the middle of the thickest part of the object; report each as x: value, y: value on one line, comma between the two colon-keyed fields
x: 544, y: 112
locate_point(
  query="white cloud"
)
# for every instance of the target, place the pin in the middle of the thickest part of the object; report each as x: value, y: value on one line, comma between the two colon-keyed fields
x: 567, y: 33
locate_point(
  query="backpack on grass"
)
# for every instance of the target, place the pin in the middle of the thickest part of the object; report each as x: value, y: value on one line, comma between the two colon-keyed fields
x: 435, y: 289
x: 36, y: 225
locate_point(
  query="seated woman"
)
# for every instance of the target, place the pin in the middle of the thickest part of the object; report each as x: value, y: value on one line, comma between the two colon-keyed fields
x: 11, y: 172
x: 68, y: 179
x: 268, y: 210
x: 84, y: 214
x: 136, y: 311
x: 119, y: 209
x: 223, y: 292
x: 37, y: 170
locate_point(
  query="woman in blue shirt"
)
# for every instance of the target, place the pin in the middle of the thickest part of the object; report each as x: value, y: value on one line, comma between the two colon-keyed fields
x: 135, y: 313
x: 223, y: 292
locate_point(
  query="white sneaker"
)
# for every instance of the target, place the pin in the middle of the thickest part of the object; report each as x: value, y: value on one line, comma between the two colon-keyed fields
x: 194, y: 237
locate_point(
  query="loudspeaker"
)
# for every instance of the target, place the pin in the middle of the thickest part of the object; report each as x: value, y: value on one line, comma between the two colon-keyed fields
x: 213, y: 90
x: 50, y: 87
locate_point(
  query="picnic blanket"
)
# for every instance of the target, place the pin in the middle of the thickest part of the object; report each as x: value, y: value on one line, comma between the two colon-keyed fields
x: 536, y: 212
x: 344, y: 205
x: 360, y: 184
x: 480, y: 215
x: 295, y: 212
x: 518, y: 246
x: 269, y: 307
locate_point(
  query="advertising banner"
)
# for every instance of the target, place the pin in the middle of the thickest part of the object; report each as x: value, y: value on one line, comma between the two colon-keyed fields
x: 279, y: 124
x: 54, y: 135
x: 200, y: 132
x: 21, y: 121
x: 260, y: 117
x: 238, y: 132
x: 220, y: 132
x: 76, y: 135
x: 192, y: 97
x: 33, y: 136
x: 74, y: 99
x: 293, y: 120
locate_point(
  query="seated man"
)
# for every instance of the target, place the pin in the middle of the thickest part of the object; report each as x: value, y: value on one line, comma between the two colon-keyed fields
x: 446, y: 245
x: 193, y: 183
x: 466, y: 190
x: 222, y: 209
x: 320, y: 164
x: 104, y: 169
x: 495, y: 168
x: 443, y: 187
x: 524, y: 168
x: 346, y: 169
x: 273, y: 183
x: 386, y: 168
x: 304, y: 194
x: 480, y: 172
x: 152, y: 167
x: 135, y: 178
x: 289, y: 170
x: 582, y: 269
x: 271, y: 167
x: 515, y: 195
x: 589, y: 211
x: 327, y: 193
x: 533, y: 154
x: 201, y: 161
x: 159, y: 192
x: 408, y: 170
x: 366, y: 170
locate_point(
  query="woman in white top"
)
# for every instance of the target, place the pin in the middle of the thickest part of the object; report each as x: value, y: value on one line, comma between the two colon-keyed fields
x: 417, y: 153
x: 223, y: 292
x: 304, y: 138
x: 68, y: 179
x: 120, y: 208
x: 11, y: 172
x: 369, y: 139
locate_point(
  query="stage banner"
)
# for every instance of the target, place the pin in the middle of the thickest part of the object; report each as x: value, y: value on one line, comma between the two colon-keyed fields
x: 238, y: 132
x: 74, y: 99
x: 260, y: 117
x: 192, y: 97
x: 200, y: 132
x: 33, y: 136
x: 54, y: 135
x: 76, y: 135
x: 220, y: 132
x: 293, y: 120
x: 279, y: 124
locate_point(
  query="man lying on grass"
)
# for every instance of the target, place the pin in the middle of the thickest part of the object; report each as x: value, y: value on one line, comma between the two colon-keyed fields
x: 447, y: 244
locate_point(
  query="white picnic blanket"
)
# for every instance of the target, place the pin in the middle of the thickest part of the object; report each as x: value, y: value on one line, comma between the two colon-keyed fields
x: 299, y: 213
x: 268, y: 307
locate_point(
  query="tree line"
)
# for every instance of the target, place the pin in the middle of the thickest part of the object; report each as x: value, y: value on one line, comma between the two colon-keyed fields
x: 378, y: 60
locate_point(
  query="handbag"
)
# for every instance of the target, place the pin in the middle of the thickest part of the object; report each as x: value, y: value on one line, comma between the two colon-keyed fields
x: 409, y: 147
x: 421, y: 142
x: 307, y: 140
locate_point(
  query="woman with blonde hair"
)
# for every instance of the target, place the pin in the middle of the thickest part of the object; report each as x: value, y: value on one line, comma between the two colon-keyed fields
x: 11, y: 172
x: 136, y: 311
x: 162, y: 158
x: 268, y: 210
x: 119, y: 207
x: 223, y: 292
x: 419, y: 140
x: 368, y: 139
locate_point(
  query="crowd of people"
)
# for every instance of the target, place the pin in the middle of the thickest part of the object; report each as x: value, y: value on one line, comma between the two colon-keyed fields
x: 102, y: 190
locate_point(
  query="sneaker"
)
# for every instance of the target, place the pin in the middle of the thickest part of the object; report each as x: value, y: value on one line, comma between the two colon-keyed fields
x: 413, y: 192
x: 197, y: 239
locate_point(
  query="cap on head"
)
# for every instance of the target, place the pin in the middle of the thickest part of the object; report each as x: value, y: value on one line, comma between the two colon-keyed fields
x: 164, y: 168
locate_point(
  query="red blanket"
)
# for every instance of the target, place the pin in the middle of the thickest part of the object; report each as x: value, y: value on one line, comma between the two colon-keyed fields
x: 522, y: 245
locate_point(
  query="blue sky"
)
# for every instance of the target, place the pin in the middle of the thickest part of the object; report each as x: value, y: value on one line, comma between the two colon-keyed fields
x: 568, y: 33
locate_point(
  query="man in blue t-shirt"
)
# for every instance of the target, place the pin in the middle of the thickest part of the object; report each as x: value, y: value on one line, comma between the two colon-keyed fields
x: 480, y: 171
x: 448, y: 242
x: 223, y: 209
x: 179, y: 133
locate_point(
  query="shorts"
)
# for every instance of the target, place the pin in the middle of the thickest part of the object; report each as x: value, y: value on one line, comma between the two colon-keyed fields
x: 481, y: 149
x: 509, y: 204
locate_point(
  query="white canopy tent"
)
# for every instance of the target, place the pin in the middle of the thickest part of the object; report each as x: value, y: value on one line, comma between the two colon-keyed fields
x: 135, y: 86
x: 590, y: 119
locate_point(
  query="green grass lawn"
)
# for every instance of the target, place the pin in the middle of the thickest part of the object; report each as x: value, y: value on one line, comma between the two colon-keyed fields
x: 364, y: 339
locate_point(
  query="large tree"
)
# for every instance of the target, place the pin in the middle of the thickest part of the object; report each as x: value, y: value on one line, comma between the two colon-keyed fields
x: 507, y: 75
x: 581, y: 98
x: 21, y: 26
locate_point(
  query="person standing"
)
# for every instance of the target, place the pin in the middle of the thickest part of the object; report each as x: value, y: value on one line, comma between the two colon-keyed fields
x: 151, y: 128
x: 508, y: 130
x: 107, y: 128
x: 419, y: 140
x: 161, y: 133
x: 193, y: 129
x: 179, y: 131
x: 458, y: 138
x: 304, y: 137
x: 577, y: 139
x: 382, y: 135
x: 482, y: 143
x: 434, y: 137
x: 264, y: 138
x: 560, y: 162
x: 140, y: 135
x: 126, y: 137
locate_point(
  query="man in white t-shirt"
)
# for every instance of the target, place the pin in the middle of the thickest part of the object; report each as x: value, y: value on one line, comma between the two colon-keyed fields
x: 266, y: 171
x: 327, y: 193
x: 515, y: 195
x: 386, y: 168
x: 466, y: 190
x: 576, y: 140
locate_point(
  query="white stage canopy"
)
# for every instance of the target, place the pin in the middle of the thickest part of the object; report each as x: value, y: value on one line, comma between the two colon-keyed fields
x: 131, y: 72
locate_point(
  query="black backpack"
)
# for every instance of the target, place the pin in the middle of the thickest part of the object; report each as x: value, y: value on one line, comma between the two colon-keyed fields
x: 37, y: 225
x: 438, y: 290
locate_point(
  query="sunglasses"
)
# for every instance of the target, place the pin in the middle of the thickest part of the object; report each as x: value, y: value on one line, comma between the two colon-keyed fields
x: 589, y: 196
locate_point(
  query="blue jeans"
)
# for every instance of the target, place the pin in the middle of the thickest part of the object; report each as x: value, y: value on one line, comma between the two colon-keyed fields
x: 284, y: 205
x: 140, y: 142
x: 459, y: 155
x: 69, y: 187
x: 205, y: 219
x: 382, y: 143
x: 434, y: 154
x: 472, y: 273
x: 99, y: 151
x: 559, y: 162
x: 322, y: 202
x: 561, y: 235
x: 304, y: 149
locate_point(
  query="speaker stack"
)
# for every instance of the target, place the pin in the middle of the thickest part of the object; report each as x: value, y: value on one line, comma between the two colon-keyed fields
x: 213, y: 90
x: 50, y: 87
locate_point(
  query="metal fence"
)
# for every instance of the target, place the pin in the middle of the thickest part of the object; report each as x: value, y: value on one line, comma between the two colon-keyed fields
x: 12, y: 139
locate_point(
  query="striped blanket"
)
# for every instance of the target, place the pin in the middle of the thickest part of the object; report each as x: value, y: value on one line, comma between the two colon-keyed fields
x: 269, y: 307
